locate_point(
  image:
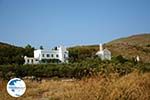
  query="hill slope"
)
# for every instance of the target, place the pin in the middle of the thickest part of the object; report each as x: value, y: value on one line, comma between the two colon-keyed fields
x: 138, y: 40
x: 128, y: 47
x: 10, y: 54
x: 132, y: 46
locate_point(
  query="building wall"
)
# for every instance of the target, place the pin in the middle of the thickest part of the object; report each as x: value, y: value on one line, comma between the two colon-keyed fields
x: 104, y: 54
x: 29, y: 60
x: 59, y: 52
x: 37, y: 54
x: 107, y: 54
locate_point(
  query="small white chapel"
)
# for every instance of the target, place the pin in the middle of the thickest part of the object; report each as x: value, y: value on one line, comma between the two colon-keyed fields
x: 104, y: 54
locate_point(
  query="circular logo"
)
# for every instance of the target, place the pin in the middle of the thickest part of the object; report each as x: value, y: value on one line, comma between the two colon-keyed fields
x: 16, y: 87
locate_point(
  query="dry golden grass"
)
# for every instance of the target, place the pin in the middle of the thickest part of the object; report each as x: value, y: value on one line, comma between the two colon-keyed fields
x: 134, y: 86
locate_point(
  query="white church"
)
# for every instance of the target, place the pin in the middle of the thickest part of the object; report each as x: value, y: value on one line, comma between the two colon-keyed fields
x: 59, y: 52
x: 104, y: 54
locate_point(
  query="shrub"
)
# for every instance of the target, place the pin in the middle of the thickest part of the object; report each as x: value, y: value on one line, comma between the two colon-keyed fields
x: 120, y: 59
x: 144, y: 67
x: 89, y: 67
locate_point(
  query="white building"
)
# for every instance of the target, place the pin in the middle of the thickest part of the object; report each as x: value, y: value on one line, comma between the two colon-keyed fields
x: 103, y: 54
x: 60, y: 53
x: 30, y: 60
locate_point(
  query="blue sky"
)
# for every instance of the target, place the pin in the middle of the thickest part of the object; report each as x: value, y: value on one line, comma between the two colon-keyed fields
x: 71, y: 22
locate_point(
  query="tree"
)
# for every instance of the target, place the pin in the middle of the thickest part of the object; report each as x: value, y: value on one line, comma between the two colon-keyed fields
x: 41, y: 47
x: 28, y: 46
x: 28, y: 50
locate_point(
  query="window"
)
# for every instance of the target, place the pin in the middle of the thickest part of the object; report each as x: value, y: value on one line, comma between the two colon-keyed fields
x: 42, y: 55
x: 57, y: 55
x: 52, y: 55
x: 47, y: 55
x: 65, y: 56
x: 31, y: 60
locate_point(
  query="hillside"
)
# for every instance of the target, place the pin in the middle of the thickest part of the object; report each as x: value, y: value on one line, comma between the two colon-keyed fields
x: 132, y: 46
x: 139, y: 40
x: 128, y: 47
x: 88, y: 77
x: 10, y: 54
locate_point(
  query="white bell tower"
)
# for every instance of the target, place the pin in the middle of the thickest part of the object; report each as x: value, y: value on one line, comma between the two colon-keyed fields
x: 100, y: 47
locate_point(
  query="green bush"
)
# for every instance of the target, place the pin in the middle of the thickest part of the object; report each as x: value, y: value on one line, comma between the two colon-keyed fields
x: 145, y: 67
x: 84, y: 68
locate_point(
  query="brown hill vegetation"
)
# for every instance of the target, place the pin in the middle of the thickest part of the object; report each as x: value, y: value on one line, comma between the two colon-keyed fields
x: 128, y: 47
x: 132, y: 46
x: 134, y: 86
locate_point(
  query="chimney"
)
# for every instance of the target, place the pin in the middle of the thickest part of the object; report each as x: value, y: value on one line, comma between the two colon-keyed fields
x: 100, y: 47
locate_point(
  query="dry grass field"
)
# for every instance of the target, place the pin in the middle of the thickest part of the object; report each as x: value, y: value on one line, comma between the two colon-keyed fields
x: 134, y: 86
